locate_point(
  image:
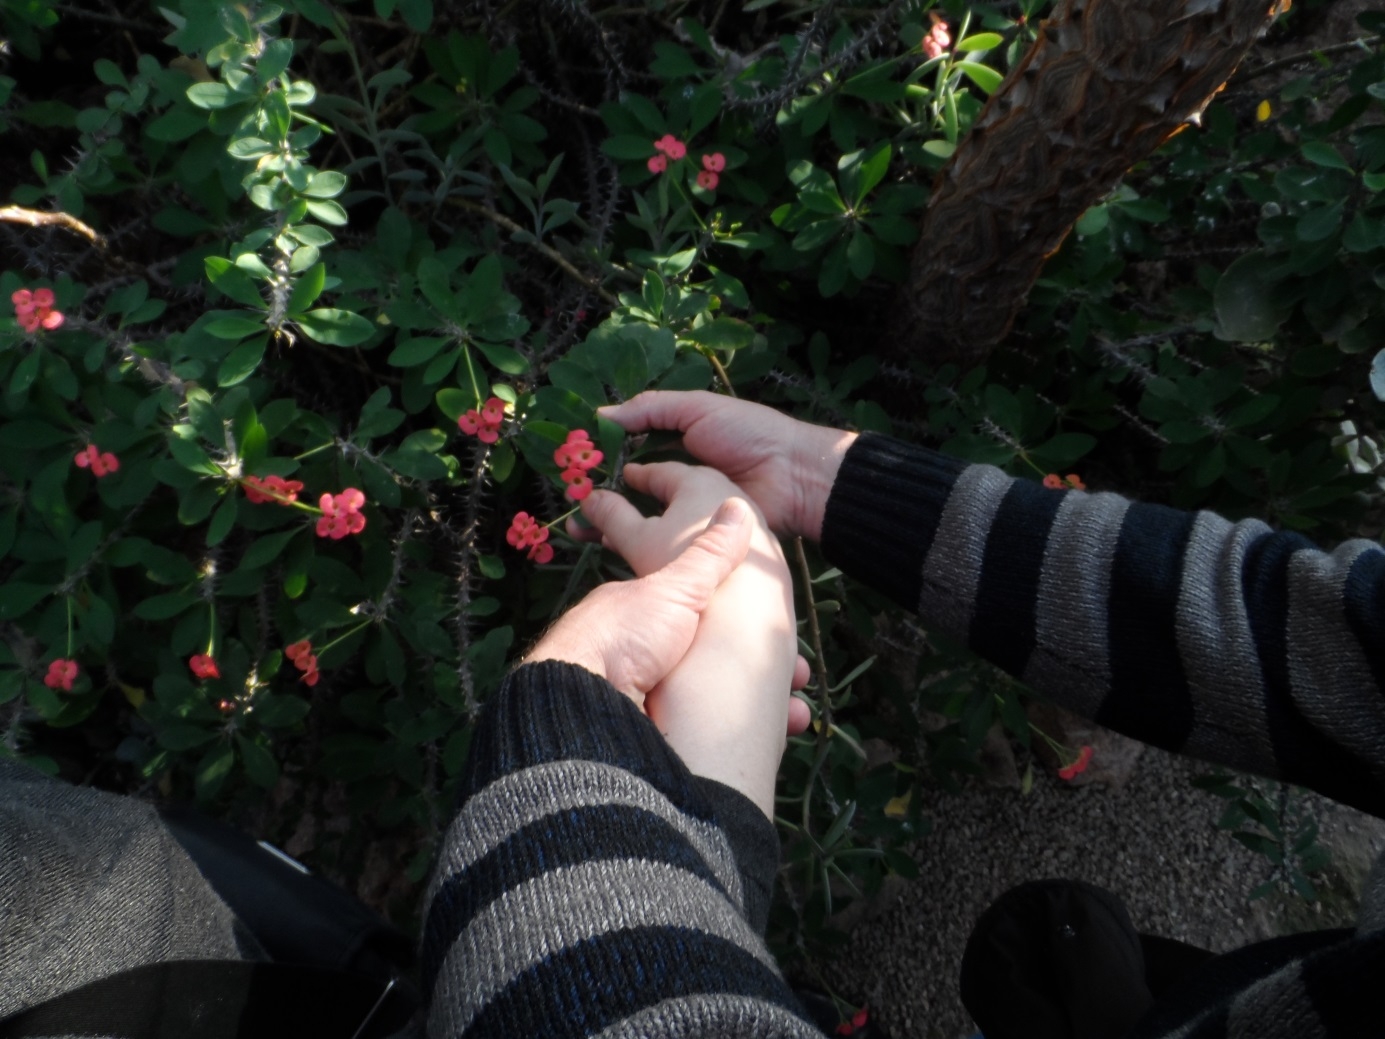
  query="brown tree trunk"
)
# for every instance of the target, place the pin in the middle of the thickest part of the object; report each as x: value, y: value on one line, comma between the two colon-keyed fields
x: 1105, y: 84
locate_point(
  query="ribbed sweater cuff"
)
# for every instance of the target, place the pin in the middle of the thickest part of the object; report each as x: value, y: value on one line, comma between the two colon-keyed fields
x: 755, y: 843
x: 883, y: 512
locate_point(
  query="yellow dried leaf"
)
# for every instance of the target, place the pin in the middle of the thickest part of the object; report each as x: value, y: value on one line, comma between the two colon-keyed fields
x: 1262, y: 111
x: 898, y: 807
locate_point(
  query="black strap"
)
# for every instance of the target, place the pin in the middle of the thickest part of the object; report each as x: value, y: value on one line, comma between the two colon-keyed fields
x: 213, y: 999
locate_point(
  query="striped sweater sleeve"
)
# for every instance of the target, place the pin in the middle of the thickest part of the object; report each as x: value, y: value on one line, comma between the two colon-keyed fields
x: 590, y: 885
x: 1226, y: 641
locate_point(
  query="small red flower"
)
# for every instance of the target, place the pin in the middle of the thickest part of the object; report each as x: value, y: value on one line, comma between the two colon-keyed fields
x: 707, y: 180
x: 61, y: 674
x: 526, y: 533
x: 671, y: 146
x: 301, y: 653
x: 857, y: 1022
x: 484, y: 424
x: 34, y: 310
x: 341, y: 514
x: 203, y: 666
x: 1078, y: 765
x: 271, y: 488
x: 714, y: 162
x: 1072, y: 481
x: 579, y: 484
x: 657, y: 163
x: 100, y: 462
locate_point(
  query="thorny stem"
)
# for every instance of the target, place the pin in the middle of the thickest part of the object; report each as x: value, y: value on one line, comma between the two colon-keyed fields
x: 717, y: 367
x: 558, y: 258
x: 39, y: 218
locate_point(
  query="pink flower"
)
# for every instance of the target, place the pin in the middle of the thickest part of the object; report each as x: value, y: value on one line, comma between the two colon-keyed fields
x: 341, y: 514
x: 1072, y: 481
x: 525, y: 533
x: 708, y: 180
x: 100, y: 462
x: 271, y: 488
x: 1078, y: 765
x: 714, y: 162
x: 938, y: 41
x: 575, y: 458
x: 484, y: 424
x: 657, y: 163
x: 61, y: 674
x: 301, y: 653
x: 34, y: 310
x: 203, y: 666
x: 671, y: 146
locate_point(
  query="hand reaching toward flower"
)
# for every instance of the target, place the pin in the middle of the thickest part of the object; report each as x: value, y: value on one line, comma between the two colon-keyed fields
x: 785, y: 466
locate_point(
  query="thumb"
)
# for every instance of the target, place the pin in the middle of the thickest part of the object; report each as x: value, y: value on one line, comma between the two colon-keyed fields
x: 702, y: 566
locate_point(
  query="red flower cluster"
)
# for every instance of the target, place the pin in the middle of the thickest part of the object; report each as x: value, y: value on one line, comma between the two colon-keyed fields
x: 271, y: 488
x: 574, y: 458
x: 525, y: 532
x: 61, y: 674
x: 100, y: 462
x: 485, y: 424
x: 35, y: 310
x: 301, y: 653
x: 668, y: 147
x: 712, y: 165
x: 1078, y: 765
x: 938, y: 41
x: 1054, y: 482
x: 203, y: 666
x: 857, y: 1022
x: 341, y: 514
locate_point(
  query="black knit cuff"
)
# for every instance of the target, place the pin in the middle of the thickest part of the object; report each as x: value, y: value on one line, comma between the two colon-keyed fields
x: 754, y: 841
x: 883, y: 513
x: 552, y: 711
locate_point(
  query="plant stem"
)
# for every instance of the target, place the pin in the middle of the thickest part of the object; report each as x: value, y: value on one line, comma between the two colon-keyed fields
x: 820, y: 664
x: 717, y: 367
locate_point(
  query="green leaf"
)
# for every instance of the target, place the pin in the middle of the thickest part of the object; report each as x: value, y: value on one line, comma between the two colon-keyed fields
x: 165, y: 607
x: 1246, y: 300
x: 628, y: 146
x: 328, y: 212
x: 18, y: 597
x: 1317, y: 224
x: 1378, y: 375
x: 213, y: 770
x: 212, y: 96
x: 509, y: 361
x: 241, y: 362
x: 983, y: 76
x: 233, y: 281
x: 260, y: 766
x: 184, y: 736
x: 275, y: 711
x: 723, y: 333
x: 233, y: 327
x: 325, y: 184
x: 981, y: 41
x: 307, y: 288
x: 335, y: 327
x: 1320, y: 153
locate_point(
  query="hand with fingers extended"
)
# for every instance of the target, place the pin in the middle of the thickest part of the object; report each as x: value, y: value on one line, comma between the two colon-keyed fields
x: 724, y: 707
x: 785, y: 466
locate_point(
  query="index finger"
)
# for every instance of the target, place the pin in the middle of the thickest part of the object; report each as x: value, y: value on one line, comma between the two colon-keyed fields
x: 661, y: 409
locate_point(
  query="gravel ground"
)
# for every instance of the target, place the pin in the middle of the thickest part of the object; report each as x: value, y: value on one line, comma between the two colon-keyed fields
x: 1153, y: 842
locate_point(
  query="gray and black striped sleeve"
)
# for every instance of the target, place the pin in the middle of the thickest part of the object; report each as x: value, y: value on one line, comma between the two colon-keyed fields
x: 1227, y: 641
x: 590, y: 885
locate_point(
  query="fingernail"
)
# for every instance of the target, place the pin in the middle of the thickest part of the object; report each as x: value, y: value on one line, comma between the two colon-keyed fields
x: 731, y: 513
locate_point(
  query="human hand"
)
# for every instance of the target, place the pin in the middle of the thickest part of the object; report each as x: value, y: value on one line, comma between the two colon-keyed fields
x: 633, y: 633
x: 723, y: 708
x: 787, y: 467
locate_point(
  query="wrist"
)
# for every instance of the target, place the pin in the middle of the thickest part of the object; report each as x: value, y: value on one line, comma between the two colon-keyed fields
x: 819, y: 460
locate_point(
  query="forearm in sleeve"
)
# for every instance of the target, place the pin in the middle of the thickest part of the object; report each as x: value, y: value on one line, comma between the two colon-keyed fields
x: 590, y: 885
x: 1227, y: 641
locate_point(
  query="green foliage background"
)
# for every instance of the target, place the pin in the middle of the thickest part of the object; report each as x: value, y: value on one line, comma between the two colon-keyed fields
x: 330, y: 229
